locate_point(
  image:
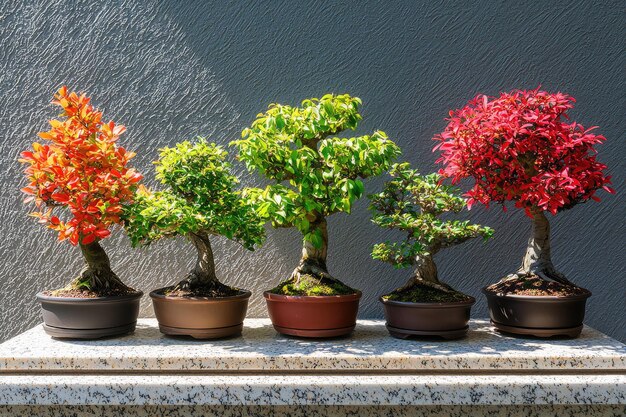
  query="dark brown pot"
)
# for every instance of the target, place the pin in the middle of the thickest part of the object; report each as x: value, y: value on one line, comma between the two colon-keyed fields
x: 200, y: 317
x: 541, y: 316
x: 447, y: 320
x: 89, y: 318
x: 313, y: 316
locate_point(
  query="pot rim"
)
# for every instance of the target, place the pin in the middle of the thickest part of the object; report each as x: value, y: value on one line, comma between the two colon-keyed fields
x: 411, y: 304
x: 104, y: 299
x: 573, y: 297
x: 156, y: 296
x: 313, y: 298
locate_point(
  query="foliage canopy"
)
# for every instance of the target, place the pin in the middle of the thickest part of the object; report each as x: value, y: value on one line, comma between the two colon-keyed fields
x: 315, y: 173
x: 81, y: 167
x: 520, y: 147
x: 201, y: 196
x: 413, y: 203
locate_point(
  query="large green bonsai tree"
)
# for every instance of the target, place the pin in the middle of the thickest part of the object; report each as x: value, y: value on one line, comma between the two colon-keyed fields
x: 315, y: 174
x: 413, y: 204
x: 201, y: 200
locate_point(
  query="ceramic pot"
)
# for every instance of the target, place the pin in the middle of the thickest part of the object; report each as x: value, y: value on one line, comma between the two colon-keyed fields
x: 540, y: 316
x: 89, y: 318
x: 313, y: 316
x: 408, y: 319
x: 200, y: 317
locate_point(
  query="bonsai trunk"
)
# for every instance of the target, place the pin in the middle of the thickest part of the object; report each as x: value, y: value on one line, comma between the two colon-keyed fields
x: 537, y: 260
x: 313, y: 261
x: 97, y: 274
x: 426, y: 274
x: 203, y: 273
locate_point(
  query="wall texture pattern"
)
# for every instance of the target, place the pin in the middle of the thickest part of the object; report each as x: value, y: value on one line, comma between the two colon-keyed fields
x: 172, y: 70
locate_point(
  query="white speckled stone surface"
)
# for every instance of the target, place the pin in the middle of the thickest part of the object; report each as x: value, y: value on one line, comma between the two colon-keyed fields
x: 314, y: 411
x: 264, y: 373
x: 261, y: 349
x: 312, y: 389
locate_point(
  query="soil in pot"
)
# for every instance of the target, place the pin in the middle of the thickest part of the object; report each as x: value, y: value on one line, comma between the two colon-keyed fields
x: 420, y: 310
x: 532, y: 306
x: 204, y: 312
x: 85, y: 293
x: 534, y: 285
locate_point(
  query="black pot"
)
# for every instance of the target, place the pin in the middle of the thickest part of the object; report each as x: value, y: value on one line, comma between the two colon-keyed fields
x: 89, y: 318
x: 541, y: 316
x: 447, y: 320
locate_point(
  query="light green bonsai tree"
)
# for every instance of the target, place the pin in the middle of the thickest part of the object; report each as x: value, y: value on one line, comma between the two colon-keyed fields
x: 315, y: 174
x: 201, y: 200
x: 413, y: 204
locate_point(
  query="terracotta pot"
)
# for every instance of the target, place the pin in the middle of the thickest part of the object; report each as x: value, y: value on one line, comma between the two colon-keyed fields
x: 200, y: 317
x: 89, y: 318
x: 313, y: 316
x: 541, y: 316
x: 447, y: 320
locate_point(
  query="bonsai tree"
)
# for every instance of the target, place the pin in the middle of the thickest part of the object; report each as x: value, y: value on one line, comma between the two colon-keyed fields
x: 79, y: 167
x: 413, y: 204
x: 521, y: 147
x: 200, y: 201
x: 314, y: 173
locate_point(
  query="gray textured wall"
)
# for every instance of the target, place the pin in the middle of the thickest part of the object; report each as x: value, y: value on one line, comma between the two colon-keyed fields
x: 173, y: 70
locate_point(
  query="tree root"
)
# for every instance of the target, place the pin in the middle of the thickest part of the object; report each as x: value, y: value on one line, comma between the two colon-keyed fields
x: 435, y: 285
x: 100, y: 281
x: 194, y: 281
x: 313, y: 270
x: 547, y: 274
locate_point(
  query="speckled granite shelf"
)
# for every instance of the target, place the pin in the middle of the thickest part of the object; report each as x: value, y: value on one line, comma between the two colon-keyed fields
x: 262, y: 373
x: 261, y: 349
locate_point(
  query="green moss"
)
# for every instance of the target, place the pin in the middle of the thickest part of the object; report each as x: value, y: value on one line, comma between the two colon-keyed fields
x: 423, y: 294
x: 310, y: 285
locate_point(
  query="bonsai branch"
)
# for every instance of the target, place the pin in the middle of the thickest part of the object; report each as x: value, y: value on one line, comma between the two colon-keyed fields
x: 97, y: 274
x: 203, y: 273
x: 537, y: 260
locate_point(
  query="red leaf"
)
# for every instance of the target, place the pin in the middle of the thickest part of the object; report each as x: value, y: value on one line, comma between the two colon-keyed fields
x: 61, y: 198
x: 88, y: 239
x: 102, y: 233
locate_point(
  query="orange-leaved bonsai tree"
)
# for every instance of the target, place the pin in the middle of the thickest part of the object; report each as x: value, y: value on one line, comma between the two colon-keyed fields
x: 79, y: 181
x: 522, y: 147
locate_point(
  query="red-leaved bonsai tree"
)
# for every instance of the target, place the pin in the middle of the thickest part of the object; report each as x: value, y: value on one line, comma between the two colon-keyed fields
x: 80, y: 167
x: 522, y: 147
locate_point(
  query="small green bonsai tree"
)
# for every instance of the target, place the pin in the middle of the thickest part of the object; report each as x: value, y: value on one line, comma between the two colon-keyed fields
x: 413, y: 204
x: 315, y: 174
x: 201, y: 200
